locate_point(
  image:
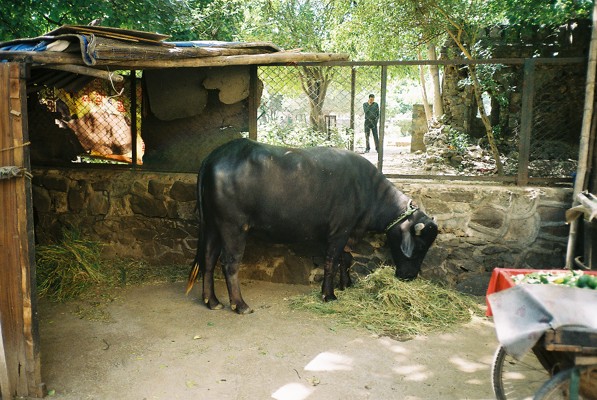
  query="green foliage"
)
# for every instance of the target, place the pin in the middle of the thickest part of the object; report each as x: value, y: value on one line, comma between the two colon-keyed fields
x: 297, y: 135
x: 183, y: 20
x: 458, y: 140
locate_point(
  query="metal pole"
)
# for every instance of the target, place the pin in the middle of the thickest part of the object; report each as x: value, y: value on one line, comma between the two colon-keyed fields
x: 353, y: 84
x: 382, y: 115
x: 526, y: 122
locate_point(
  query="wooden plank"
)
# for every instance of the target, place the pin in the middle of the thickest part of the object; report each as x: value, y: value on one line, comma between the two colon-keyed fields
x: 254, y: 97
x: 17, y: 299
x: 126, y: 34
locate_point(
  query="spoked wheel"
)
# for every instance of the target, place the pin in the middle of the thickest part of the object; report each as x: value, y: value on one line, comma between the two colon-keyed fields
x: 558, y: 387
x: 516, y: 379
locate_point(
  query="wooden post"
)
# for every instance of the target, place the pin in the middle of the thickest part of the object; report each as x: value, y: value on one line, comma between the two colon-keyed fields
x: 382, y: 115
x: 526, y: 122
x: 253, y: 101
x: 18, y: 302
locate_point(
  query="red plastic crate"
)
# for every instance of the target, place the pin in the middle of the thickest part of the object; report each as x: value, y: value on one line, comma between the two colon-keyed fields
x: 501, y: 279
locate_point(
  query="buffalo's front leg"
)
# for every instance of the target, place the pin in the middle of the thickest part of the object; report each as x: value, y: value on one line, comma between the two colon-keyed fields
x: 344, y: 265
x: 236, y: 300
x: 331, y: 260
x: 327, y: 287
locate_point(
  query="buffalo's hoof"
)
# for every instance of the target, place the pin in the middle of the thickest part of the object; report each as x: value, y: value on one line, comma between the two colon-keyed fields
x: 330, y: 297
x: 241, y: 309
x: 213, y: 304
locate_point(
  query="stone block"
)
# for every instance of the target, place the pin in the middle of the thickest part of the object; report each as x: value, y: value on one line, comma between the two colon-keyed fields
x: 181, y: 191
x: 488, y: 217
x: 58, y: 183
x: 98, y: 203
x: 148, y: 206
x: 76, y: 199
x: 156, y: 188
x: 551, y: 213
x: 42, y: 201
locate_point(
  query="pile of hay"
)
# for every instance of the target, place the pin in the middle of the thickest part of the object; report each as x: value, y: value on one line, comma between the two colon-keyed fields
x: 391, y: 307
x: 74, y: 268
x: 65, y: 270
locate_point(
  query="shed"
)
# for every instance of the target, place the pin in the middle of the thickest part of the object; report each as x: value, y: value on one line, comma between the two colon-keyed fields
x: 196, y: 95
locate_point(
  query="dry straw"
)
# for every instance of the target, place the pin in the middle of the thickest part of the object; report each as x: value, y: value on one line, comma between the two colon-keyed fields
x: 395, y: 308
x: 65, y: 270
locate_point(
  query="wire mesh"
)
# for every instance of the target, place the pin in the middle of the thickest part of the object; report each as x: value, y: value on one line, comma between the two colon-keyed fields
x: 99, y: 115
x: 458, y: 143
x: 323, y: 105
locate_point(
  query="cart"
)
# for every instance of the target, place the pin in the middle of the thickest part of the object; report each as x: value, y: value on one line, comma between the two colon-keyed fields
x: 548, y: 339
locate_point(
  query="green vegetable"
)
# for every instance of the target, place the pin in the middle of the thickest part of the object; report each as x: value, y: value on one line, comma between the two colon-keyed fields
x: 577, y: 279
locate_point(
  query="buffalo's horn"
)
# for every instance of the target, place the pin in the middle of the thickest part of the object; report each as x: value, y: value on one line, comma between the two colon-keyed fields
x: 419, y: 228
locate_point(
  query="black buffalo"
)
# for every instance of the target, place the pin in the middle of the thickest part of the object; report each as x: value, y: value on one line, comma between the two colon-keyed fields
x: 293, y: 195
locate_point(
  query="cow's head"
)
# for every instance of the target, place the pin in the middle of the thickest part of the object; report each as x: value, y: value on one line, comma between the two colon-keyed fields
x: 409, y: 242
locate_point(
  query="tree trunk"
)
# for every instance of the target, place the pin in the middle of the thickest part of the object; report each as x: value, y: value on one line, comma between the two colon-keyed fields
x: 478, y: 98
x: 315, y: 82
x: 428, y: 113
x: 438, y: 107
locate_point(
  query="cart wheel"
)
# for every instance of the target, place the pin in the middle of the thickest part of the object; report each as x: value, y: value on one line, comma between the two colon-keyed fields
x: 558, y: 387
x: 516, y: 379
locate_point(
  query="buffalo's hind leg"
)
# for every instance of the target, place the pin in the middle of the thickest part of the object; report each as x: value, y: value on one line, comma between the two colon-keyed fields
x: 231, y: 258
x: 211, y: 252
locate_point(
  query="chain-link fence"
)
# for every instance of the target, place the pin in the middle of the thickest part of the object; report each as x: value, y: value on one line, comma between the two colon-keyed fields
x: 329, y: 111
x: 534, y: 113
x: 90, y: 125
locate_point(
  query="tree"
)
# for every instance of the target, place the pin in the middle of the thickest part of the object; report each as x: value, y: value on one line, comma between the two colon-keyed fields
x: 308, y: 25
x: 183, y: 20
x: 416, y: 23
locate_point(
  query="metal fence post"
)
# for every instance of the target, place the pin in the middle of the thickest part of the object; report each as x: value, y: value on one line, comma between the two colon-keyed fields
x: 526, y: 122
x: 382, y: 115
x: 353, y: 84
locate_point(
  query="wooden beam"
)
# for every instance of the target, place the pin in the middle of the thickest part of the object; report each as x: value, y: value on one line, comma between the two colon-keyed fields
x: 254, y: 99
x: 81, y: 70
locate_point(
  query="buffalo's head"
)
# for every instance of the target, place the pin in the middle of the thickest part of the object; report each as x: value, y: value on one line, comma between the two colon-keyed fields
x: 409, y: 242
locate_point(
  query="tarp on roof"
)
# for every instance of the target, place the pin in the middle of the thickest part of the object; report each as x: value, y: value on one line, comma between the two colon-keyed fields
x: 108, y: 46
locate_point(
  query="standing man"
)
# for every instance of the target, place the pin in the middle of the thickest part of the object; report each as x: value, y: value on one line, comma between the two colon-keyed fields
x: 371, y: 109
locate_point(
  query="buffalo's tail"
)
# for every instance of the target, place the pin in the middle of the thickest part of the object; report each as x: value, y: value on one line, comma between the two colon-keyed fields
x: 196, y: 269
x: 192, y: 277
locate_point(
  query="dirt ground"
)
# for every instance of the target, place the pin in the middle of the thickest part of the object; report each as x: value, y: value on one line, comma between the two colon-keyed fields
x: 157, y: 343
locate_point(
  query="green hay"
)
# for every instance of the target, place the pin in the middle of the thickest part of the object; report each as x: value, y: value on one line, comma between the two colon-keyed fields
x: 74, y: 269
x: 67, y: 269
x: 391, y: 307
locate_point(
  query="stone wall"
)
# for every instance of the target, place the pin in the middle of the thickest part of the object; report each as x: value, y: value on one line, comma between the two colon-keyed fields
x: 556, y: 119
x: 151, y: 216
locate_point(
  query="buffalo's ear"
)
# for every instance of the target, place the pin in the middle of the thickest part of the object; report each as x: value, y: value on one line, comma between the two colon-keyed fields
x: 408, y: 243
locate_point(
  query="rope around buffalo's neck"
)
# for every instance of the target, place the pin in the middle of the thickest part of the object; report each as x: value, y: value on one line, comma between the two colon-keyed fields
x: 410, y: 209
